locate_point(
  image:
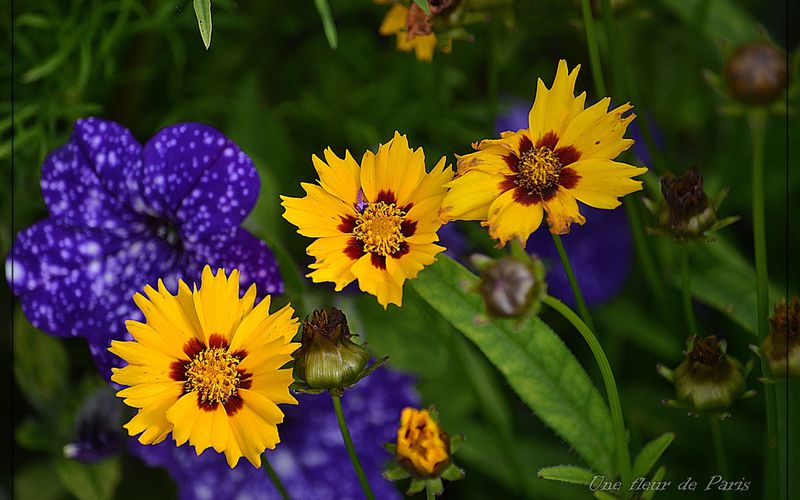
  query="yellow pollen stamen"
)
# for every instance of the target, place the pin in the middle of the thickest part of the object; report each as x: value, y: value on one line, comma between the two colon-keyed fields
x: 379, y: 228
x: 539, y: 170
x: 214, y: 374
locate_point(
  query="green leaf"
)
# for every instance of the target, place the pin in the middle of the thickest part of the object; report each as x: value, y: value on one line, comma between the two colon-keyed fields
x: 35, y: 482
x: 328, y: 25
x: 202, y: 8
x: 90, y: 481
x: 423, y: 4
x: 534, y: 360
x: 41, y: 366
x: 602, y: 495
x: 650, y: 454
x: 396, y: 473
x: 724, y: 280
x: 719, y: 19
x: 658, y: 476
x: 567, y: 474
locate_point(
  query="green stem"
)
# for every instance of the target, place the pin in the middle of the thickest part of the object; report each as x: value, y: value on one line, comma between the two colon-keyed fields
x: 583, y: 309
x: 644, y: 254
x: 276, y: 481
x: 348, y: 443
x: 429, y: 494
x: 757, y: 120
x: 594, y: 49
x: 686, y: 286
x: 615, y: 406
x: 719, y: 451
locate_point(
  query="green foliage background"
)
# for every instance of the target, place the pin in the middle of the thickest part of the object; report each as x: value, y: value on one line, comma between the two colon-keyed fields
x: 271, y: 82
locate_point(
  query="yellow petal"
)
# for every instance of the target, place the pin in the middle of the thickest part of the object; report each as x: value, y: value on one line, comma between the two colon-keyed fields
x: 562, y: 211
x: 508, y: 219
x: 597, y: 133
x: 339, y: 177
x: 395, y: 20
x: 183, y: 415
x: 377, y: 282
x: 602, y: 182
x: 553, y: 109
x: 318, y: 214
x: 470, y: 196
x: 433, y: 184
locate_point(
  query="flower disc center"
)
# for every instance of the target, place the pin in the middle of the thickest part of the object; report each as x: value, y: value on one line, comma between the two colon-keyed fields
x: 214, y: 374
x: 539, y: 170
x: 379, y: 228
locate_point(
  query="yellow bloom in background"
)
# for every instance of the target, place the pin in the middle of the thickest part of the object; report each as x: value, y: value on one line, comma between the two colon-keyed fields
x: 375, y: 222
x: 423, y: 448
x: 565, y: 156
x: 206, y: 366
x: 413, y: 30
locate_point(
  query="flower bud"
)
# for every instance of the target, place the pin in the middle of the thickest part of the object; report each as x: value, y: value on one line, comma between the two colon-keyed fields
x: 708, y: 379
x: 781, y: 348
x: 327, y: 358
x: 756, y: 73
x: 98, y: 429
x: 423, y: 452
x: 512, y: 287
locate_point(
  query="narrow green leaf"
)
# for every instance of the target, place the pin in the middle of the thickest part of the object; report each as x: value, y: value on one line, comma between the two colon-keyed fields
x: 650, y: 454
x: 719, y: 19
x: 602, y: 495
x: 534, y: 360
x: 423, y: 4
x: 657, y: 477
x: 90, y: 481
x: 567, y: 474
x: 328, y: 25
x: 202, y: 8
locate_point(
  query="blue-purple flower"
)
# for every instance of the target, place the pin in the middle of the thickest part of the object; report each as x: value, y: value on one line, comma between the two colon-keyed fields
x: 123, y: 215
x: 311, y: 459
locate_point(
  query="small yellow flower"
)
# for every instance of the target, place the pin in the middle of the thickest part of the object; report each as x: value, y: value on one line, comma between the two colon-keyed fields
x: 375, y: 223
x: 206, y: 366
x: 423, y: 448
x: 420, y: 37
x: 565, y: 156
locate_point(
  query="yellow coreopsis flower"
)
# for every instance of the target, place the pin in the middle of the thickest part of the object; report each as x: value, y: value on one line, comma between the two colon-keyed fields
x: 565, y: 156
x: 206, y: 366
x: 375, y: 222
x: 422, y: 446
x: 420, y: 37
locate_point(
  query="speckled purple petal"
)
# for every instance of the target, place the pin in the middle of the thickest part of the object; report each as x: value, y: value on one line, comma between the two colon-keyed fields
x: 237, y: 249
x: 311, y: 458
x: 74, y: 192
x: 197, y: 177
x: 95, y: 300
x: 46, y: 252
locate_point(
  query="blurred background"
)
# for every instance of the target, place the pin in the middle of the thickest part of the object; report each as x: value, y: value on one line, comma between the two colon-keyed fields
x: 271, y: 83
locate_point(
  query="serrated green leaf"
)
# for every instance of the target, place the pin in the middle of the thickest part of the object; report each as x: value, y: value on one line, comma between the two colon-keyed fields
x: 567, y: 474
x: 534, y: 360
x: 90, y: 481
x: 202, y: 8
x: 650, y: 454
x: 328, y: 25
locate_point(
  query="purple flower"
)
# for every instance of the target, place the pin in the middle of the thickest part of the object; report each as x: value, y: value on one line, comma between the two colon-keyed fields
x: 600, y: 251
x: 311, y: 458
x: 123, y: 215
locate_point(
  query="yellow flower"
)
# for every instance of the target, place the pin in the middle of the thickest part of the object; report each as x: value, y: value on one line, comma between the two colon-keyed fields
x: 421, y: 38
x: 375, y: 222
x: 423, y: 448
x: 565, y: 156
x: 205, y: 366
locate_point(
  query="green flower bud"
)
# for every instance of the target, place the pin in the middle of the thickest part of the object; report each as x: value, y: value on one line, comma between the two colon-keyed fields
x: 327, y: 358
x: 708, y: 379
x: 756, y: 73
x: 512, y: 287
x: 781, y: 348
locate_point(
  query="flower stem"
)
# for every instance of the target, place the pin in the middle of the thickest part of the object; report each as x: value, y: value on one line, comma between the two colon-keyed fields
x: 686, y: 286
x: 429, y: 494
x: 615, y: 406
x: 348, y: 443
x: 583, y: 309
x: 719, y: 450
x: 757, y: 119
x: 594, y: 49
x: 273, y: 476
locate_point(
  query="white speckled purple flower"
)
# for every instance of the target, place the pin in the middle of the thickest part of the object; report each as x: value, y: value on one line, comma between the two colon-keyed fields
x: 311, y: 459
x: 123, y: 215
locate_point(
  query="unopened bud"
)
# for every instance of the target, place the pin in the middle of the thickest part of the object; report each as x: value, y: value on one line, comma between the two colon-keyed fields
x: 757, y: 73
x: 512, y: 287
x: 708, y: 379
x: 327, y: 358
x: 781, y: 348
